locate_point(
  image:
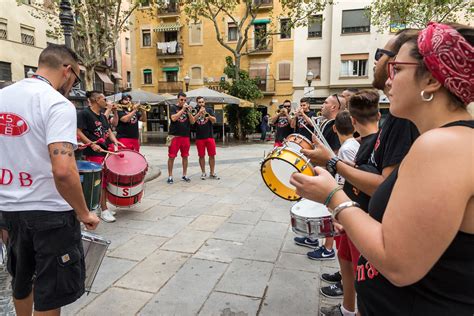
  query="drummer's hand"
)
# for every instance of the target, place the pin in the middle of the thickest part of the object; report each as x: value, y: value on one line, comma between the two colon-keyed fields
x: 90, y: 221
x: 96, y: 148
x: 318, y: 156
x: 120, y: 144
x: 338, y: 227
x: 315, y: 188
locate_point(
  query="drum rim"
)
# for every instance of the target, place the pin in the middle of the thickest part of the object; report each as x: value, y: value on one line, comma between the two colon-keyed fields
x: 304, y: 137
x: 106, y: 169
x: 97, y: 169
x: 285, y: 198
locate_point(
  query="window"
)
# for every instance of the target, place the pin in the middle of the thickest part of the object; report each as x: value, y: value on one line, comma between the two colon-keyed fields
x: 284, y: 71
x: 231, y: 32
x: 27, y: 69
x: 129, y: 76
x: 146, y: 38
x: 195, y: 33
x: 354, y: 65
x: 147, y: 76
x: 196, y: 73
x: 285, y: 29
x: 127, y: 45
x: 5, y: 71
x: 314, y: 65
x: 315, y: 26
x: 27, y: 36
x: 3, y: 29
x: 355, y: 21
x: 145, y: 3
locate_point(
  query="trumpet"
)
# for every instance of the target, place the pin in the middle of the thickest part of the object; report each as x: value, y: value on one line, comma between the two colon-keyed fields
x: 129, y: 107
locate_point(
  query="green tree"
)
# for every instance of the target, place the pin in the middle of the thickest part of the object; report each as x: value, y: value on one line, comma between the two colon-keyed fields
x: 242, y: 121
x: 416, y: 14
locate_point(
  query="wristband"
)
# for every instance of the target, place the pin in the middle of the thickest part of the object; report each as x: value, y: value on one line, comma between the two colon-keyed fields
x: 328, y: 199
x: 343, y: 206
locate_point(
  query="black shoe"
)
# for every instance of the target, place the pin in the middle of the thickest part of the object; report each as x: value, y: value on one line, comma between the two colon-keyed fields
x: 332, y: 291
x: 304, y: 241
x: 185, y: 179
x: 331, y: 278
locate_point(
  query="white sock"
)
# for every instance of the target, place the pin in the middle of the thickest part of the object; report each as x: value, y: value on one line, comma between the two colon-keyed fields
x: 345, y: 312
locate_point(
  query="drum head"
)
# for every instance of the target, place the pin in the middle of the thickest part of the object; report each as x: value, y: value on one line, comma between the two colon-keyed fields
x: 88, y: 166
x: 130, y: 164
x: 310, y: 209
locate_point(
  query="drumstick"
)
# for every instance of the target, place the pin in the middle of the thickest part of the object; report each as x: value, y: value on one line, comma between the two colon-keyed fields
x: 321, y: 136
x: 309, y: 130
x: 121, y: 155
x: 83, y: 146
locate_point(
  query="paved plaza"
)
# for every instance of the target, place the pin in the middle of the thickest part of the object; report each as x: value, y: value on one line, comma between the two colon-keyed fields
x: 212, y: 247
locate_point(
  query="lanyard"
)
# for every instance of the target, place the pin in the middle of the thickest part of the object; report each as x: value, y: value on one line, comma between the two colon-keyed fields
x: 39, y: 77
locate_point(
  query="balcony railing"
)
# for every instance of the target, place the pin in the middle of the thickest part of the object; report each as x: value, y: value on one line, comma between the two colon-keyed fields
x: 170, y: 86
x: 260, y: 46
x: 266, y: 85
x: 166, y: 50
x: 172, y: 9
x: 263, y: 4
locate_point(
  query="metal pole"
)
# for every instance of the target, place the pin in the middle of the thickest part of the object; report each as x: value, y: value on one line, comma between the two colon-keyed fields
x: 67, y: 21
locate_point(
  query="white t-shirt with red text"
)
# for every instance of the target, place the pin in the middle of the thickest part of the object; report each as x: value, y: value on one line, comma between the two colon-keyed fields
x: 32, y: 116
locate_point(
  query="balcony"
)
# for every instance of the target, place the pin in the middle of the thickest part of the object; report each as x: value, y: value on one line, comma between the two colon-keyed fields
x: 170, y: 86
x: 170, y: 10
x: 263, y: 4
x: 266, y: 85
x: 169, y: 50
x: 260, y: 46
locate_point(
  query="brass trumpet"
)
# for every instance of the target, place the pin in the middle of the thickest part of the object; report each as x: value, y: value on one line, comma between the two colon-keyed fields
x: 129, y: 108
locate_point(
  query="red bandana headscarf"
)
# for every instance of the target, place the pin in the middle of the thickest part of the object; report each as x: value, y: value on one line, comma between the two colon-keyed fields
x: 449, y: 58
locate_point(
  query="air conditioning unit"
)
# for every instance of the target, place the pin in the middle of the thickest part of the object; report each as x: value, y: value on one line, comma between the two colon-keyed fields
x: 129, y: 85
x: 205, y: 80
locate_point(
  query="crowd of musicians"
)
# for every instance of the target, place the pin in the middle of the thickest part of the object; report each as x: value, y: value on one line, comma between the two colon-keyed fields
x: 400, y: 195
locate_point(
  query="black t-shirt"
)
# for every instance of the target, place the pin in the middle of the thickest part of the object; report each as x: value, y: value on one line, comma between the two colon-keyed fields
x: 283, y: 128
x: 94, y: 127
x: 447, y: 289
x: 129, y: 129
x: 362, y: 161
x: 331, y: 135
x: 395, y: 138
x: 204, y: 126
x: 182, y: 126
x: 300, y: 129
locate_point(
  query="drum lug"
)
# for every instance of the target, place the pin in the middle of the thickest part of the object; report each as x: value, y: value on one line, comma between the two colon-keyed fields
x: 297, y: 161
x: 302, y: 168
x: 308, y: 227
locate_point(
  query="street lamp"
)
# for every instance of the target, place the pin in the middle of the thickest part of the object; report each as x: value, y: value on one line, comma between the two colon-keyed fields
x: 187, y: 79
x: 67, y: 21
x: 309, y: 77
x: 30, y: 73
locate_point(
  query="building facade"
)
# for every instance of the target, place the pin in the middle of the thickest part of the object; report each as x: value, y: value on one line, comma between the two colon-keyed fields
x: 338, y: 47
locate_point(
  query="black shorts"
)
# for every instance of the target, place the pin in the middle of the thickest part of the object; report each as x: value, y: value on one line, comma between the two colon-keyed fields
x: 45, y: 249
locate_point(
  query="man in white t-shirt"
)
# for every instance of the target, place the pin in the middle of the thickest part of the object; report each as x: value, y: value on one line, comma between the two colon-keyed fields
x: 41, y: 197
x: 349, y: 145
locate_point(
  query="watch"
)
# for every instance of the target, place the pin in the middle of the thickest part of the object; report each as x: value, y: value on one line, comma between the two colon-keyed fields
x: 331, y: 165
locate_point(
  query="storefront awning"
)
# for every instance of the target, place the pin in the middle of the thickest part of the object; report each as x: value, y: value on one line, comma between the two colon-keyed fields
x: 116, y: 75
x: 167, y: 27
x: 103, y: 76
x: 166, y: 69
x: 261, y: 21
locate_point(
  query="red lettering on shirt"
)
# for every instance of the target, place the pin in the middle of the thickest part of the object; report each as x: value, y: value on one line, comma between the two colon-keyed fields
x: 25, y: 179
x: 12, y: 125
x: 366, y: 269
x: 3, y: 179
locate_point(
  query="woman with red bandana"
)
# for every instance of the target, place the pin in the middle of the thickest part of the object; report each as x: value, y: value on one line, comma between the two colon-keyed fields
x: 417, y: 242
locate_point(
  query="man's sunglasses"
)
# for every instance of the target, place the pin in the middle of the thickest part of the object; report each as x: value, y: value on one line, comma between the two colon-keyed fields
x: 77, y: 82
x: 380, y: 52
x: 337, y: 98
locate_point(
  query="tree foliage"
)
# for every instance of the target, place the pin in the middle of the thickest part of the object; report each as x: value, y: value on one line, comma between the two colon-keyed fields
x: 242, y: 121
x: 416, y: 14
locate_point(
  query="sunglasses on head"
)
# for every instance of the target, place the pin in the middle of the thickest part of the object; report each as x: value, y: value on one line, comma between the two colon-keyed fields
x: 380, y: 52
x: 337, y: 98
x: 77, y: 82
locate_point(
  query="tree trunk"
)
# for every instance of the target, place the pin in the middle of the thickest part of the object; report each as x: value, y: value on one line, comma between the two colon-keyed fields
x: 89, y: 78
x: 237, y: 66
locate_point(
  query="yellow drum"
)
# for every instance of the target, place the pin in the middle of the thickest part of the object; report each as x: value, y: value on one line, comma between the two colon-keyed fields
x: 278, y: 167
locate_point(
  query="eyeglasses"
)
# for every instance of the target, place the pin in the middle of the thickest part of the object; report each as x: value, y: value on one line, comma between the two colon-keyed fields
x: 337, y: 98
x: 380, y: 52
x: 77, y: 82
x: 392, y: 71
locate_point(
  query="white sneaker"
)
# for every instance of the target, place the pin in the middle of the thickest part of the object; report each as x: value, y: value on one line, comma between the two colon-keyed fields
x: 107, y: 217
x: 113, y: 212
x: 203, y: 176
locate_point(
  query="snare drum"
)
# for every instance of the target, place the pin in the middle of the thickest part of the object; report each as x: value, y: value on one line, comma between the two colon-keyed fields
x: 311, y: 219
x: 298, y: 142
x: 90, y: 175
x: 95, y: 248
x: 125, y: 177
x: 278, y: 167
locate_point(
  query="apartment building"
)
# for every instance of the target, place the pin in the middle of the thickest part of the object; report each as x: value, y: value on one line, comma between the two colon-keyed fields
x: 167, y: 48
x: 338, y: 47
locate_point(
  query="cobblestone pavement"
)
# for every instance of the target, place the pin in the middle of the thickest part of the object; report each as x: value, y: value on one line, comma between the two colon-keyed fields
x: 213, y: 247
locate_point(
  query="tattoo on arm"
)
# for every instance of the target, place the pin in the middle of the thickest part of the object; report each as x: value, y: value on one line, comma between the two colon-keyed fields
x: 66, y: 149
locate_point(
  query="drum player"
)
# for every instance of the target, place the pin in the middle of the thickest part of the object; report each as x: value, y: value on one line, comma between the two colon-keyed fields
x: 93, y: 126
x: 41, y: 198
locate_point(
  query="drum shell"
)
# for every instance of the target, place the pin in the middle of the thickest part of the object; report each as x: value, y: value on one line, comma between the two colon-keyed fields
x: 95, y: 248
x: 91, y: 178
x: 124, y: 201
x: 125, y: 177
x: 300, y: 141
x: 312, y: 227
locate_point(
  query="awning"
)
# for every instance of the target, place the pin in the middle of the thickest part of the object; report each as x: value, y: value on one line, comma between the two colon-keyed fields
x: 166, y: 69
x: 166, y: 27
x: 261, y: 21
x: 116, y: 75
x: 103, y: 76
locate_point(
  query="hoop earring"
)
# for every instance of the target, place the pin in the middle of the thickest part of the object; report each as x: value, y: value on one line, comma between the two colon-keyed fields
x: 426, y: 99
